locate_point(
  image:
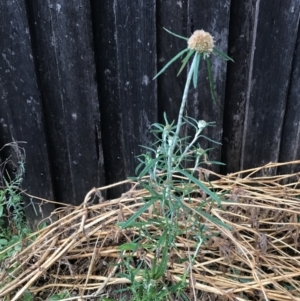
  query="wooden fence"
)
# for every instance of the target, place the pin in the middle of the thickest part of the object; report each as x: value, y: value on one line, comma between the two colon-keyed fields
x: 76, y: 86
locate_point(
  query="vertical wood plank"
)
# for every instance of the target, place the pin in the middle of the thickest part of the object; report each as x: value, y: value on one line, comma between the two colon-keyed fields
x: 213, y: 17
x: 172, y: 16
x: 63, y: 43
x: 242, y: 15
x: 128, y: 94
x: 136, y: 60
x: 104, y: 28
x: 290, y: 141
x: 21, y: 117
x: 271, y: 58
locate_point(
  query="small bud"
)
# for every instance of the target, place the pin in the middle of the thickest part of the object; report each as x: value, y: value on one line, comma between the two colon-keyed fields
x: 201, y: 41
x: 201, y: 125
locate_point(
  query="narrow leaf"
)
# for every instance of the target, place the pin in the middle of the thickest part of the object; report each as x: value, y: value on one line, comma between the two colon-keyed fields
x: 195, y: 74
x: 185, y: 60
x: 158, y: 126
x: 201, y: 185
x: 153, y: 193
x: 216, y: 163
x: 211, y: 140
x: 147, y: 168
x: 210, y: 79
x: 174, y: 34
x: 163, y: 265
x: 137, y: 214
x: 213, y: 219
x: 170, y: 62
x: 148, y: 148
x: 221, y: 54
x: 130, y: 246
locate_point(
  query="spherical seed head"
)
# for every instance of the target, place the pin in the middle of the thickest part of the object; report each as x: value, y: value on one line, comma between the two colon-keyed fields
x: 201, y: 41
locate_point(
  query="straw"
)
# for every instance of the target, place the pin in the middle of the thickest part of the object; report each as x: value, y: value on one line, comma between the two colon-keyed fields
x: 259, y: 256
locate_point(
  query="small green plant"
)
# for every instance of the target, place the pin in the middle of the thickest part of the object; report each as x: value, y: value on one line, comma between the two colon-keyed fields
x: 151, y: 283
x: 162, y: 172
x: 60, y: 296
x: 12, y: 222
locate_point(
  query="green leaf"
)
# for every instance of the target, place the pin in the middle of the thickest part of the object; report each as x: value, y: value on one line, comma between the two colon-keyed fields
x: 170, y: 62
x: 216, y: 163
x: 213, y: 195
x: 154, y: 193
x: 1, y: 210
x: 195, y: 73
x: 3, y: 242
x: 158, y: 126
x: 60, y: 296
x: 137, y: 214
x: 184, y: 296
x: 27, y: 296
x: 211, y: 140
x: 185, y: 60
x: 162, y: 266
x: 174, y: 34
x: 55, y: 298
x: 221, y: 54
x: 133, y: 246
x: 130, y: 246
x: 210, y: 78
x: 146, y: 168
x: 213, y: 219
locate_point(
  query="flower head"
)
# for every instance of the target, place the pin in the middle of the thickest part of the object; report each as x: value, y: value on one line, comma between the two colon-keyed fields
x: 201, y: 41
x: 201, y: 125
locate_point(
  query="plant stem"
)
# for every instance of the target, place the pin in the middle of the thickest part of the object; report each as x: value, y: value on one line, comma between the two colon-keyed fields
x: 180, y: 117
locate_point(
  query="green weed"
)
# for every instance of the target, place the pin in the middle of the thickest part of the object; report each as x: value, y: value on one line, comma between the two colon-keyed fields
x: 13, y: 228
x: 163, y: 173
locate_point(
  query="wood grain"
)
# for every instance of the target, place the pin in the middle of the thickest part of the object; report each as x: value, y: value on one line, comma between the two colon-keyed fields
x: 290, y: 137
x: 170, y: 86
x: 213, y: 17
x: 242, y: 14
x: 21, y: 113
x: 271, y: 58
x: 63, y: 44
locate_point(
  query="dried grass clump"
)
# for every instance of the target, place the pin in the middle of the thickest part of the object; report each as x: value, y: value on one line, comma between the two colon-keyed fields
x: 259, y: 259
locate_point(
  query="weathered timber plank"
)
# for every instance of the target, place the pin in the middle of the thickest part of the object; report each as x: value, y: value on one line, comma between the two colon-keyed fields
x: 290, y: 140
x: 136, y: 60
x: 240, y: 40
x: 21, y: 116
x: 63, y: 43
x: 172, y: 16
x: 104, y: 28
x: 213, y: 17
x: 271, y: 61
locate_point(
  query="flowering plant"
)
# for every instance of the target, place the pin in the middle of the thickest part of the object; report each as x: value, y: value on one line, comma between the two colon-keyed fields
x: 170, y: 205
x: 201, y: 44
x: 172, y: 151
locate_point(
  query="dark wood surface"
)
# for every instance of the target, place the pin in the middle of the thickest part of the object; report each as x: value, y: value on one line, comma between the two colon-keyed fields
x: 290, y: 136
x: 269, y: 76
x: 63, y: 46
x: 136, y: 61
x: 174, y: 18
x: 241, y: 28
x: 126, y: 64
x: 21, y: 114
x: 108, y: 91
x: 76, y: 85
x: 206, y: 15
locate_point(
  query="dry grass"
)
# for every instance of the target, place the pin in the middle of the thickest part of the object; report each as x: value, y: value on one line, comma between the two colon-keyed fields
x: 258, y: 259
